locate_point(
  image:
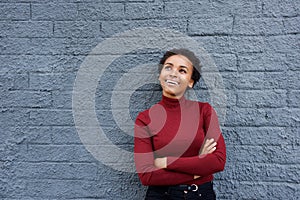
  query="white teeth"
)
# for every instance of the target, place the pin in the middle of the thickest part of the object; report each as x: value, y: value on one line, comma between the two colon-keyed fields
x: 172, y: 82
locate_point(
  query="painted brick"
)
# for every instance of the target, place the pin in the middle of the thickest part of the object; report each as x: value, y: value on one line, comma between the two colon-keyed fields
x: 26, y: 99
x: 293, y: 80
x: 52, y: 153
x: 216, y: 8
x: 62, y: 99
x: 225, y: 62
x: 125, y: 62
x: 100, y: 11
x: 35, y: 135
x: 65, y: 63
x: 79, y: 29
x: 51, y: 11
x: 264, y: 154
x: 143, y: 98
x: 51, y: 117
x: 293, y: 62
x: 283, y: 117
x: 259, y: 117
x: 215, y: 44
x: 263, y: 62
x: 262, y: 80
x: 258, y: 26
x: 260, y: 136
x: 282, y: 44
x: 58, y: 171
x: 247, y: 44
x: 14, y: 117
x: 65, y: 135
x: 4, y: 176
x: 109, y: 80
x: 3, y: 188
x: 215, y: 26
x: 113, y: 27
x: 6, y: 81
x: 26, y: 29
x: 135, y: 0
x: 245, y: 117
x: 14, y: 11
x: 185, y: 8
x: 288, y: 155
x: 118, y: 1
x: 143, y: 11
x: 58, y: 189
x: 10, y: 134
x: 260, y: 99
x: 204, y: 95
x: 105, y: 117
x: 23, y: 63
x: 20, y: 81
x: 14, y: 46
x: 295, y: 117
x: 275, y: 190
x: 39, y: 63
x: 61, y: 46
x: 230, y: 80
x: 292, y: 25
x: 117, y: 136
x: 279, y: 8
x: 250, y: 8
x: 293, y: 98
x: 253, y: 172
x: 294, y: 131
x: 243, y: 154
x: 58, y: 81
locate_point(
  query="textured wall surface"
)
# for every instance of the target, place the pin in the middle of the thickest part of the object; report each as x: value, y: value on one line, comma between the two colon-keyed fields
x: 255, y: 45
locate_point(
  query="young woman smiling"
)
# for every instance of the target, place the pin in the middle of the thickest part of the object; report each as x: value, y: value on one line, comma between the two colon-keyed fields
x: 178, y: 144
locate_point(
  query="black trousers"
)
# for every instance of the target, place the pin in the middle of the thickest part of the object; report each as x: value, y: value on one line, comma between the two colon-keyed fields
x: 204, y: 192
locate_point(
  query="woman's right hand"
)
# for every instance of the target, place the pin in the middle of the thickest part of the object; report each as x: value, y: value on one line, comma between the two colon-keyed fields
x: 208, y: 147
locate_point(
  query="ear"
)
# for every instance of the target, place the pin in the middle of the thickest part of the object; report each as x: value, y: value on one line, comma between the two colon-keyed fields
x: 191, y: 83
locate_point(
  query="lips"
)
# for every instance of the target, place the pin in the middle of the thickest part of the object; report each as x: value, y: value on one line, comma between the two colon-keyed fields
x: 171, y: 82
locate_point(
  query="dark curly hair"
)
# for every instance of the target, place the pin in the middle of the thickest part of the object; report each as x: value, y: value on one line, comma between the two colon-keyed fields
x: 187, y: 53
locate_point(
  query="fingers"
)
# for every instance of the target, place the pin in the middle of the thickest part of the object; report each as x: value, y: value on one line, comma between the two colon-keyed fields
x: 196, y: 176
x: 209, y: 146
x: 160, y: 162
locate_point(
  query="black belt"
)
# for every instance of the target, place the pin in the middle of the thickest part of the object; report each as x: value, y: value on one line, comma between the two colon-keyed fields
x: 192, y: 187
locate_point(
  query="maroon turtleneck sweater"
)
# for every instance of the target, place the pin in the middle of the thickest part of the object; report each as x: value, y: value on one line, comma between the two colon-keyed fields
x: 176, y: 129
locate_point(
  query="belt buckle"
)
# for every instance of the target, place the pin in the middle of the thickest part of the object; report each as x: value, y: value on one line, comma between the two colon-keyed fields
x: 196, y: 187
x: 194, y: 190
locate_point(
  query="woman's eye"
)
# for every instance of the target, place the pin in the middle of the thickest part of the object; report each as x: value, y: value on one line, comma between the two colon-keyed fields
x: 182, y: 71
x: 167, y: 67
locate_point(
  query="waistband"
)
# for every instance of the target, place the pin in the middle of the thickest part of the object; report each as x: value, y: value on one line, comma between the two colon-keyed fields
x: 186, y: 188
x: 192, y: 187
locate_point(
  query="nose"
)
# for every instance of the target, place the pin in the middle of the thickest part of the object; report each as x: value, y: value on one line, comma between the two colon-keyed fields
x: 173, y: 73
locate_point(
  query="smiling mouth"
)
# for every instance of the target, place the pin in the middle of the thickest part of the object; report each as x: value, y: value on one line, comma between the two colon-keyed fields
x: 170, y: 82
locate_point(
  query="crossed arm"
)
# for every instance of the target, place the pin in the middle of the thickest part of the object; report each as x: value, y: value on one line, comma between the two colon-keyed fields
x: 178, y: 170
x: 208, y: 147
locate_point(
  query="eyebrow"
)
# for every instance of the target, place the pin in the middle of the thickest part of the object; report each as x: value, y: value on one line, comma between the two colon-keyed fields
x: 182, y: 66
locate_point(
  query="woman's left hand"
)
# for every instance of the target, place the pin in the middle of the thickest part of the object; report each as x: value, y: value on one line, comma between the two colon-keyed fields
x: 160, y: 162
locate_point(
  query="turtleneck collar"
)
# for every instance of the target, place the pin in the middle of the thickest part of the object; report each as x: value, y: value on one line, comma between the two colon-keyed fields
x: 172, y: 103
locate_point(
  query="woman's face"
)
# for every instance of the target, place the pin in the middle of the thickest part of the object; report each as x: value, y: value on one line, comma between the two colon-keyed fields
x: 176, y: 76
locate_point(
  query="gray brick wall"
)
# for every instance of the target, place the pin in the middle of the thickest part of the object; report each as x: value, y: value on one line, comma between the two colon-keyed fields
x: 255, y: 45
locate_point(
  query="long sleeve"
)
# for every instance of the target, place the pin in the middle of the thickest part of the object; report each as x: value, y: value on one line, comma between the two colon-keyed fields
x: 144, y: 160
x: 203, y: 165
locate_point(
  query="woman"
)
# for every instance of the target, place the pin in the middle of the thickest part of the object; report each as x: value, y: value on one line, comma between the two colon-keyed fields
x: 178, y: 144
